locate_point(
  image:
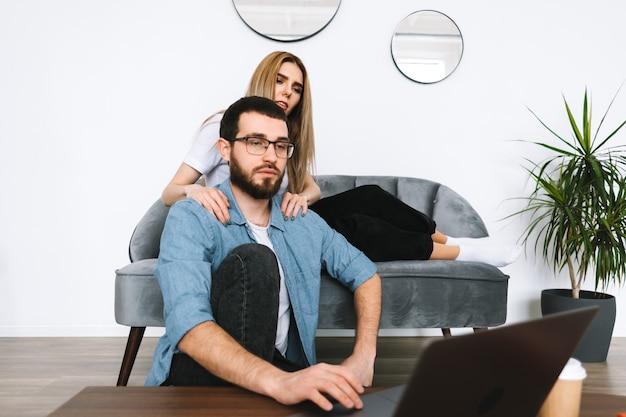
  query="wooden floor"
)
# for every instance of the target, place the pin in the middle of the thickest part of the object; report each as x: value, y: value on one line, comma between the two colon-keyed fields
x: 37, y: 375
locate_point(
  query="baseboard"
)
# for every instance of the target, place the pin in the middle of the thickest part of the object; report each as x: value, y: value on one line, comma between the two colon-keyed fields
x: 74, y: 331
x: 383, y: 332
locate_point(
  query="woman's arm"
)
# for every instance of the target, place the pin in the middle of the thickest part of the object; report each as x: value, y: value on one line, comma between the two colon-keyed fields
x: 184, y: 185
x: 176, y: 189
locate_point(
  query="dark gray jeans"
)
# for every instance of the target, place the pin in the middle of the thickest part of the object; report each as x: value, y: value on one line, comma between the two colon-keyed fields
x: 244, y: 299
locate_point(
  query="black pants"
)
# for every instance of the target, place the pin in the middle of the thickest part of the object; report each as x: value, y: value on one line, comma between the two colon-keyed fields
x: 378, y: 223
x: 244, y: 300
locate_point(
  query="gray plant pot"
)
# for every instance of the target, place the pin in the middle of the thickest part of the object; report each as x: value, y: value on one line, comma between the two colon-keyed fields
x: 594, y: 347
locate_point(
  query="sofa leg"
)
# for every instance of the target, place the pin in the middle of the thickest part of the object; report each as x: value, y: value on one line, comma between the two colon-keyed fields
x: 132, y: 347
x: 480, y: 329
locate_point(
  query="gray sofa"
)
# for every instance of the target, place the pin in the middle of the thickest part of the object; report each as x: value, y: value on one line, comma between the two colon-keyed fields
x: 416, y: 294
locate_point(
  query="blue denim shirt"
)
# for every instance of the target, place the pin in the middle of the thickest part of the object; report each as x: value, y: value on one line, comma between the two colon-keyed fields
x: 194, y: 243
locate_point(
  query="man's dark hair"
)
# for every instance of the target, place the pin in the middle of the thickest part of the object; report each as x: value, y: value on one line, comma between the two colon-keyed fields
x: 253, y: 104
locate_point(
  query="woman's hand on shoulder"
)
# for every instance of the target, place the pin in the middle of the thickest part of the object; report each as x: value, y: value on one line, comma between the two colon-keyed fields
x: 212, y: 199
x: 292, y: 203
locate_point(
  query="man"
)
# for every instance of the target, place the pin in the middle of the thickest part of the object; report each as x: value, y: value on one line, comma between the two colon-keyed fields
x: 241, y: 299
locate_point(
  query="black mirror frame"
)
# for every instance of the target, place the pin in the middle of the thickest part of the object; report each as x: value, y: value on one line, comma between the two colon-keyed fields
x: 449, y: 73
x: 287, y: 40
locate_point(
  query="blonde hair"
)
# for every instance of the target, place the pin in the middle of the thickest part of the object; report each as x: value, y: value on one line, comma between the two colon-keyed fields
x: 300, y: 120
x: 263, y: 83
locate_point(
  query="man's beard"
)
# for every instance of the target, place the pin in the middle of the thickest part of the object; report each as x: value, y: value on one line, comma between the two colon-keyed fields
x: 267, y: 188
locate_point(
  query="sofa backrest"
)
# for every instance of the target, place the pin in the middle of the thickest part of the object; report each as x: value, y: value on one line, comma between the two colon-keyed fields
x: 453, y: 214
x: 145, y: 241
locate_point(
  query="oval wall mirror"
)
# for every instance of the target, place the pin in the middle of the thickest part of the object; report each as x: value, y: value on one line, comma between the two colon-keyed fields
x: 427, y: 46
x: 287, y: 20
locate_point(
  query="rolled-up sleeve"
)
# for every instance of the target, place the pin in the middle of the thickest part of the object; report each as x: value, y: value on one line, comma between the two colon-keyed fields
x: 193, y: 243
x: 344, y: 262
x: 184, y: 270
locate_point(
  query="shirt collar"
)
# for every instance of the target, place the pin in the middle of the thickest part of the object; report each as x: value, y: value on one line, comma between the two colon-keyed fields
x: 277, y: 219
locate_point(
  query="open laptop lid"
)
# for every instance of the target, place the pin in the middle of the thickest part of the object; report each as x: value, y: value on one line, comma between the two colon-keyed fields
x: 507, y: 371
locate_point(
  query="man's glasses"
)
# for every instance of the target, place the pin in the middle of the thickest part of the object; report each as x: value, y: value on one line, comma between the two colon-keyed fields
x: 258, y: 146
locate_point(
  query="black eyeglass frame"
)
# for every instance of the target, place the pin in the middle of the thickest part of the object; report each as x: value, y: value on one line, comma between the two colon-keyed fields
x: 290, y: 146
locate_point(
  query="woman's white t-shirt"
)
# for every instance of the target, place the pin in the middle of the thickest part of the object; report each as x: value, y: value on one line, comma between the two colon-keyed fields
x: 205, y: 158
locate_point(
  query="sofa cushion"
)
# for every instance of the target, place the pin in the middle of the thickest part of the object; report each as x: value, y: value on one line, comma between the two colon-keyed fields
x: 138, y: 297
x: 425, y: 294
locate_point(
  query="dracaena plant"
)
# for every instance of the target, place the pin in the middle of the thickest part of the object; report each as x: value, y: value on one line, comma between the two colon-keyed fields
x: 577, y: 208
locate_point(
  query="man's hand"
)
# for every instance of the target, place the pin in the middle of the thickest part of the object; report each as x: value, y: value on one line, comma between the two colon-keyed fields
x: 211, y: 199
x: 214, y: 349
x: 292, y: 203
x: 316, y: 383
x: 362, y: 366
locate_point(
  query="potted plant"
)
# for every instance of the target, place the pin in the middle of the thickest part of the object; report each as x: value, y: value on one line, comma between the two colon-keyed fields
x: 577, y: 212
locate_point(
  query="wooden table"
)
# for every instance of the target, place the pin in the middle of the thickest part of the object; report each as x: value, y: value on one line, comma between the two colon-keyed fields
x: 229, y: 402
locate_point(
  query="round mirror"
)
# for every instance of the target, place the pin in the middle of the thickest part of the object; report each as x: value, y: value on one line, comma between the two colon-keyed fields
x: 427, y: 46
x: 287, y: 20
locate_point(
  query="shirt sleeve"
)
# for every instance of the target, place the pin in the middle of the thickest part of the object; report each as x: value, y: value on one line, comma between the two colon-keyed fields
x: 184, y: 268
x: 343, y: 261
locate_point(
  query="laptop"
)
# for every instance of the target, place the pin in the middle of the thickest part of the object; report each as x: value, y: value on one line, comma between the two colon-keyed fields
x: 504, y: 372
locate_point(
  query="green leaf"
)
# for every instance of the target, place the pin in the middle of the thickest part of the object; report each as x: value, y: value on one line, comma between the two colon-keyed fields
x: 577, y: 208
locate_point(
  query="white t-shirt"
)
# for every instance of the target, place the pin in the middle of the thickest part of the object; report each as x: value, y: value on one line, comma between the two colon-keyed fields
x: 205, y: 158
x: 284, y: 305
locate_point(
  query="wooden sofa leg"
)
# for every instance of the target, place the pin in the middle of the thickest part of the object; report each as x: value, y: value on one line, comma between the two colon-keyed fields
x: 480, y: 329
x: 132, y: 347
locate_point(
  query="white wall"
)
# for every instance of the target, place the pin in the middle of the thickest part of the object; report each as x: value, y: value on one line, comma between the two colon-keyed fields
x: 99, y: 101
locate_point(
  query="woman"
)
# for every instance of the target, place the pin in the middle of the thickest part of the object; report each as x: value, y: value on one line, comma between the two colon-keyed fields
x: 282, y: 77
x: 387, y: 230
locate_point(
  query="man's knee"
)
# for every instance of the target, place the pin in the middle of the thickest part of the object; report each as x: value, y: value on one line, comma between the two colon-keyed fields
x: 253, y: 263
x: 255, y: 255
x: 245, y: 292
